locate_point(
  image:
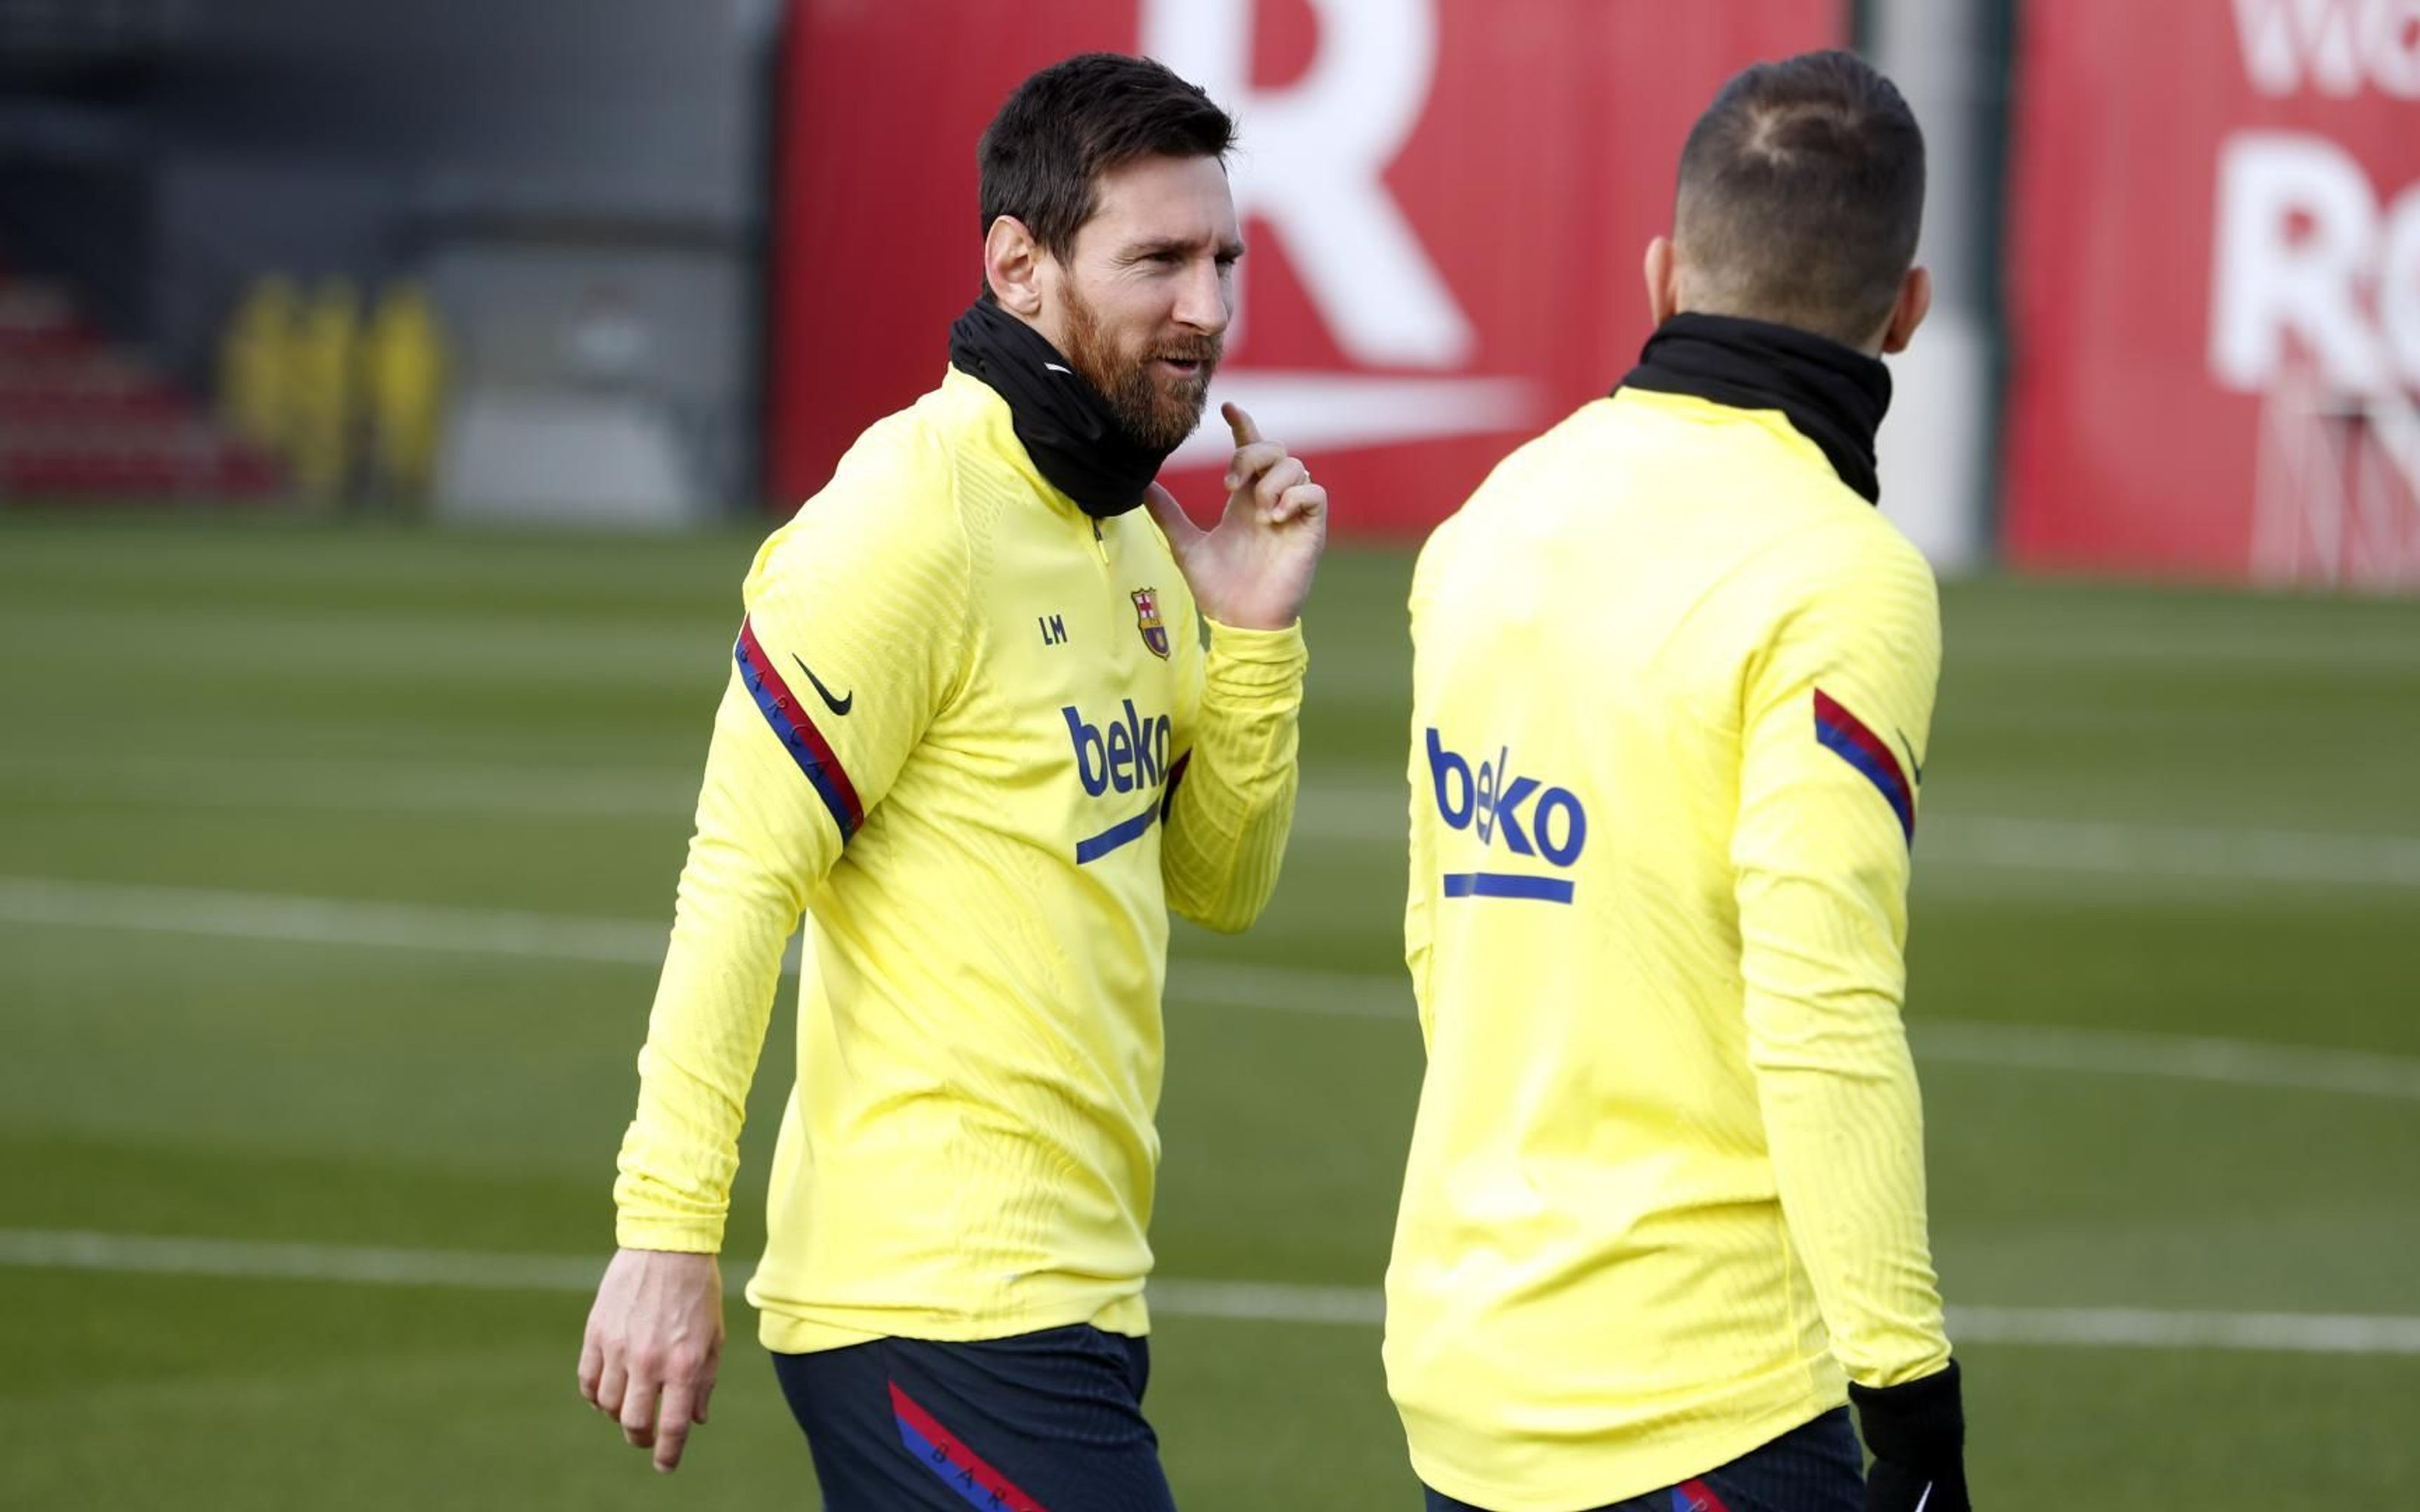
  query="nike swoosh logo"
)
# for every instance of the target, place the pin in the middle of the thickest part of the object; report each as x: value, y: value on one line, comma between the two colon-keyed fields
x: 1925, y: 1498
x: 838, y: 705
x: 1916, y: 770
x: 1056, y: 368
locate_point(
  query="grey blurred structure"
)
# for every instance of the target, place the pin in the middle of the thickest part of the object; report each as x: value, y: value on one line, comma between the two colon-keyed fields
x: 580, y: 183
x: 1938, y: 445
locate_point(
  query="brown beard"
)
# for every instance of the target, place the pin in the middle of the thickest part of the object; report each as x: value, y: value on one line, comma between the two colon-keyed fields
x: 1155, y: 416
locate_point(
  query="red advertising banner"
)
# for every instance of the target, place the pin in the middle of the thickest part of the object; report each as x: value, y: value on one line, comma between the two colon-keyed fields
x: 1446, y: 204
x: 2214, y: 285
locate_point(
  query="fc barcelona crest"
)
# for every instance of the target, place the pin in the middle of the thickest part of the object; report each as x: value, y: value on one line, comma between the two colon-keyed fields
x: 1147, y: 620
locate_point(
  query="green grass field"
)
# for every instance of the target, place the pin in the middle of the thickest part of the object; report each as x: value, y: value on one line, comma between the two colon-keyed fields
x: 331, y: 862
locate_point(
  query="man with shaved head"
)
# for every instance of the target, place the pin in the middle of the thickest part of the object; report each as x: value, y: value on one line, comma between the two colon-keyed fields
x: 1664, y: 1217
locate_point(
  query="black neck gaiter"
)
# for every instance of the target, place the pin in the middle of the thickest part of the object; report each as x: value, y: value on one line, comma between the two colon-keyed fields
x: 1831, y: 395
x: 1067, y: 427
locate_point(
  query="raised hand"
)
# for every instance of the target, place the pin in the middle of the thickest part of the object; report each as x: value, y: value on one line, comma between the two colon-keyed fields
x: 1252, y: 570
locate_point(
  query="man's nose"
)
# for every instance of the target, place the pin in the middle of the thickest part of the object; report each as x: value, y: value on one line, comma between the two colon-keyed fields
x: 1201, y: 300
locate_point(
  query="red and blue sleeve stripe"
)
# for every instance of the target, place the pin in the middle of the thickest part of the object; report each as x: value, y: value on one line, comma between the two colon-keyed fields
x: 960, y: 1467
x: 798, y: 733
x: 1845, y: 734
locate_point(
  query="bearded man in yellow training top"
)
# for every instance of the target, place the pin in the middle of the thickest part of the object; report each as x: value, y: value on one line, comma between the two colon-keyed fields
x: 972, y: 733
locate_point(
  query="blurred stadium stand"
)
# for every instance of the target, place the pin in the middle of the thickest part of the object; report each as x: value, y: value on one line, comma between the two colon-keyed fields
x: 84, y: 418
x: 85, y: 412
x: 576, y: 182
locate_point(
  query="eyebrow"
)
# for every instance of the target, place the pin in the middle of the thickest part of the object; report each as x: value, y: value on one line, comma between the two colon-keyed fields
x: 1152, y: 249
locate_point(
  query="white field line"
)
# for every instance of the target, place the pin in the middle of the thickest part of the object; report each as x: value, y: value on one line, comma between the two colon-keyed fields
x: 2170, y: 1056
x: 2152, y: 1328
x: 252, y: 915
x: 1378, y: 996
x: 1260, y: 1302
x: 1350, y: 994
x: 1334, y: 812
x: 2291, y: 857
x: 368, y: 787
x: 51, y: 1249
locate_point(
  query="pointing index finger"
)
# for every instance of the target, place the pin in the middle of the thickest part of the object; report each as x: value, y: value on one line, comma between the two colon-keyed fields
x: 1241, y: 424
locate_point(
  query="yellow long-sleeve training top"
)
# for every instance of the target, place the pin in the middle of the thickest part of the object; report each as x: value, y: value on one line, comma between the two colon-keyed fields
x: 1672, y: 679
x: 975, y: 738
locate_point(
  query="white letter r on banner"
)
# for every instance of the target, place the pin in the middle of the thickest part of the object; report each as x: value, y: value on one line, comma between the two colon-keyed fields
x: 1315, y: 153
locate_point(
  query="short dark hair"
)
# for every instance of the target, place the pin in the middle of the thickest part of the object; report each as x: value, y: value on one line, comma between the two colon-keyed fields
x: 1042, y: 156
x: 1800, y: 195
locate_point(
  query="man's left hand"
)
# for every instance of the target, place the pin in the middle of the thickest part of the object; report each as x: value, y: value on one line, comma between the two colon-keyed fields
x: 1253, y: 569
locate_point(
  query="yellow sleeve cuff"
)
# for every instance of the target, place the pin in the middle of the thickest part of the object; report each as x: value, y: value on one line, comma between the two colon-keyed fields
x: 1255, y: 661
x: 676, y: 1236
